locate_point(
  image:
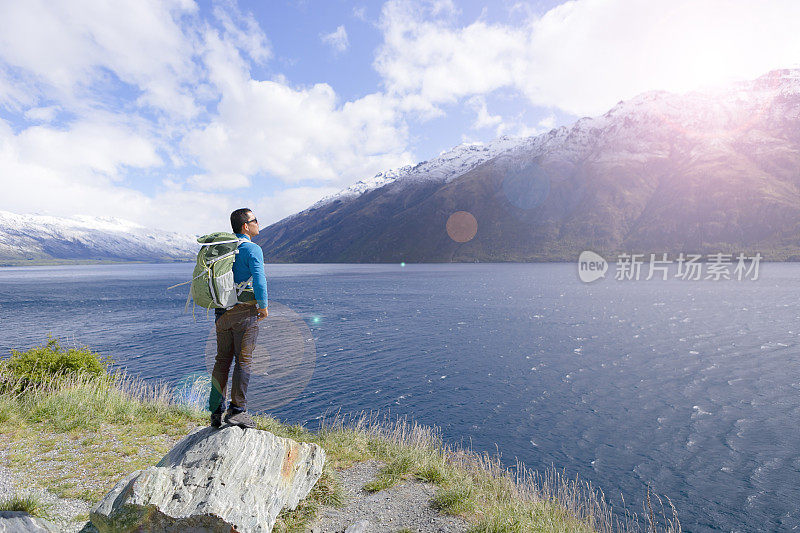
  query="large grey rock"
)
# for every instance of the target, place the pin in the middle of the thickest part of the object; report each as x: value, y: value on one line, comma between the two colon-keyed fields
x: 228, y: 479
x: 20, y: 522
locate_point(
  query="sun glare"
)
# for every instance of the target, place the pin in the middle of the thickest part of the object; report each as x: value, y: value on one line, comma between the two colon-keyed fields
x: 703, y: 45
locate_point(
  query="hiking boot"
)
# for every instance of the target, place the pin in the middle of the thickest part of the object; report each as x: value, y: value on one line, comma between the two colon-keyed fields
x: 241, y: 419
x: 216, y: 419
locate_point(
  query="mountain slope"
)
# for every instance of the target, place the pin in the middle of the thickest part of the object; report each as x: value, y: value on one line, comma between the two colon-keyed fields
x: 35, y: 238
x: 704, y: 172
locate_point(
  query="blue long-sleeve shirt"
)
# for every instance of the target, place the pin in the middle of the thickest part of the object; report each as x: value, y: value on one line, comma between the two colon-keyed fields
x: 249, y: 263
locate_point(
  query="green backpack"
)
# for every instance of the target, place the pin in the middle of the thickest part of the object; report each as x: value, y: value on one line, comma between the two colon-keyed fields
x: 212, y: 283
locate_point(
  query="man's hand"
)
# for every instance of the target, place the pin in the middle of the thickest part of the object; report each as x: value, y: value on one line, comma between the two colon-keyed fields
x: 262, y: 314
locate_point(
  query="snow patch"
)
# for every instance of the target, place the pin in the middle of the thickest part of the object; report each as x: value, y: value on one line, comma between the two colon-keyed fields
x: 81, y: 236
x: 446, y: 167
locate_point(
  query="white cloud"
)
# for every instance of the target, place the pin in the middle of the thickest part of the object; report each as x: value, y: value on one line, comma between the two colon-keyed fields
x: 483, y: 118
x: 89, y: 152
x: 517, y: 128
x: 157, y: 88
x: 299, y: 134
x: 442, y: 7
x: 42, y: 114
x: 429, y: 62
x: 72, y: 172
x: 360, y: 12
x: 243, y: 30
x: 66, y: 48
x: 585, y: 55
x: 294, y: 134
x: 219, y: 182
x: 270, y: 209
x: 548, y: 122
x: 15, y: 94
x: 336, y: 40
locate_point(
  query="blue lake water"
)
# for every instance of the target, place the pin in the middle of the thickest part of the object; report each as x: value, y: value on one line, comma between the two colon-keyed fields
x: 692, y: 387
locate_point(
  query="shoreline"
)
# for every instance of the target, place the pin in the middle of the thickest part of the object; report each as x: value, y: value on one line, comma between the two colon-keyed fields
x: 91, y: 262
x: 4, y: 263
x: 50, y: 443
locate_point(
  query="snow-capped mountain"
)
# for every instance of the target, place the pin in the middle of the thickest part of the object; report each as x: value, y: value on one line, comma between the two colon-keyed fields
x: 447, y: 166
x: 714, y: 170
x: 38, y: 237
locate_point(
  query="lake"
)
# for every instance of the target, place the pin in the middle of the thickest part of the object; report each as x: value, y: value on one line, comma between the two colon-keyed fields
x: 692, y: 387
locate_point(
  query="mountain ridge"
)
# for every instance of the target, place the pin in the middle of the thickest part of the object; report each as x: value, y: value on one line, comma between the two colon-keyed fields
x: 36, y: 239
x: 466, y: 156
x: 659, y: 172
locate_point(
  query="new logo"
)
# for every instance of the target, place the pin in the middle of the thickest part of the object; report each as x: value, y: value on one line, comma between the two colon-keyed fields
x: 591, y: 266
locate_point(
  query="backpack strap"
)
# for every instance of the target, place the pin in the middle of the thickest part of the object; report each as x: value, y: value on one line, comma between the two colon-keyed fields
x: 221, y: 242
x: 223, y: 256
x: 243, y: 286
x: 186, y: 282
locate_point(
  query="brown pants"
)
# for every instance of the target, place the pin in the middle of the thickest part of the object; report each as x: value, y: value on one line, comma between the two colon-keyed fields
x: 237, y: 332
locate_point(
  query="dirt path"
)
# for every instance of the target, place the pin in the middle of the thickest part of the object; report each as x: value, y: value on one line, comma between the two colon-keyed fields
x: 404, y: 507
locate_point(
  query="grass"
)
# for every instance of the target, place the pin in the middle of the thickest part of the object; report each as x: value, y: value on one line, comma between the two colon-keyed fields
x: 390, y: 474
x: 47, y: 437
x: 29, y: 503
x: 475, y: 486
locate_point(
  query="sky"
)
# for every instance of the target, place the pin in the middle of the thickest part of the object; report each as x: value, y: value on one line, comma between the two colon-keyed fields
x: 173, y: 113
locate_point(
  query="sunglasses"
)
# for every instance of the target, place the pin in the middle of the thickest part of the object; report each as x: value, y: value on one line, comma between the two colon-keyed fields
x: 254, y: 220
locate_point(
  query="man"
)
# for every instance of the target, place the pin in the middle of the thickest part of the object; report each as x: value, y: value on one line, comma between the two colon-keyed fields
x: 237, y: 327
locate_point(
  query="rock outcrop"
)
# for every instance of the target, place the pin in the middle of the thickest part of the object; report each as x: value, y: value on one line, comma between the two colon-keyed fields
x: 20, y: 522
x: 228, y: 479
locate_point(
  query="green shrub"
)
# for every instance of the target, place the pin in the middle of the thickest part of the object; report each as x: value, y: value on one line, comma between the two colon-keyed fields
x: 49, y: 362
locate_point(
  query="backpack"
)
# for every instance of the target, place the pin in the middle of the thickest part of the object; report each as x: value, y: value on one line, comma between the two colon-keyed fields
x: 212, y: 283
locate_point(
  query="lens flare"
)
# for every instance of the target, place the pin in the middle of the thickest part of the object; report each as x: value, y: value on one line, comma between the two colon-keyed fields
x: 462, y: 226
x: 283, y: 360
x: 193, y: 390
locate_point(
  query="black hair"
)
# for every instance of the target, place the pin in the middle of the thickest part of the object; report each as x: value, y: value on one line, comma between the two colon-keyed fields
x: 238, y: 218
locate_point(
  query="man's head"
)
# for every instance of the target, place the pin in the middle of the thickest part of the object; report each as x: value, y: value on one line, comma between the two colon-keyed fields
x: 244, y: 221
